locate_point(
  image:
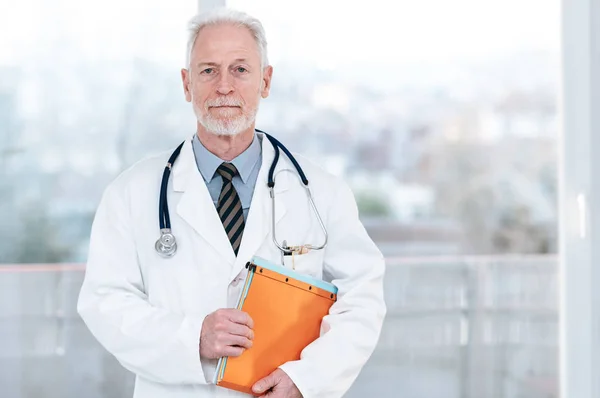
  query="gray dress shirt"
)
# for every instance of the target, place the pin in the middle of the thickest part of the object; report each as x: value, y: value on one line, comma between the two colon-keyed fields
x: 247, y: 163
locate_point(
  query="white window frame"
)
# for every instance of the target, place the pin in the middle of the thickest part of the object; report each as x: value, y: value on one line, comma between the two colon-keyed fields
x: 579, y: 200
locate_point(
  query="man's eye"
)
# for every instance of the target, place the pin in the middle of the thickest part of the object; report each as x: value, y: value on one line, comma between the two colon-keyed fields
x: 241, y: 69
x: 207, y: 71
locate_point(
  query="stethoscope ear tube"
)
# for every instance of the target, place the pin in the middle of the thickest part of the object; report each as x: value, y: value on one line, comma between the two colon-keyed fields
x: 270, y: 179
x: 166, y: 245
x: 277, y: 145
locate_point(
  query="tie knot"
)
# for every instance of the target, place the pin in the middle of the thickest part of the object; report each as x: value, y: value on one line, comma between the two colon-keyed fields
x: 227, y: 171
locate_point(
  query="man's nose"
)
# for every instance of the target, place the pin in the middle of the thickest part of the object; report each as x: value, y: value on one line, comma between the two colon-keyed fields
x: 225, y: 84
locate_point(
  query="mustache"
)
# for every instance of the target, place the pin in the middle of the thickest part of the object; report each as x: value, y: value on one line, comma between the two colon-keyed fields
x: 225, y: 101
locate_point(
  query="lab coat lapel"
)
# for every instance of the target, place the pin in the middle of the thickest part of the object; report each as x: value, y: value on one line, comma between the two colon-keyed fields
x: 259, y: 224
x: 196, y: 206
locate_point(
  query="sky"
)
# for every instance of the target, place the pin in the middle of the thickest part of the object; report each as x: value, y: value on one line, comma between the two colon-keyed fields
x: 329, y: 33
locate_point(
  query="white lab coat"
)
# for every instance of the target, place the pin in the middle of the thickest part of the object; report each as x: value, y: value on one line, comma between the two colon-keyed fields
x: 148, y: 311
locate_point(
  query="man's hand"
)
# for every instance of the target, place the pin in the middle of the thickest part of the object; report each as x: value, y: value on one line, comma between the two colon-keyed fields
x: 277, y: 385
x: 226, y: 333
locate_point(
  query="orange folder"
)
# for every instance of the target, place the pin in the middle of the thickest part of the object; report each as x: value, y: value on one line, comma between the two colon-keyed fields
x: 287, y: 308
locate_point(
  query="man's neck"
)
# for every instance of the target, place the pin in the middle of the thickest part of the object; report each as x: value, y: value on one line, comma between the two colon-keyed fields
x: 226, y: 147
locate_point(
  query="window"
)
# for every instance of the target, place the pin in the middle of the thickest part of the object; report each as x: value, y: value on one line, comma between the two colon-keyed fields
x: 86, y: 89
x: 442, y: 116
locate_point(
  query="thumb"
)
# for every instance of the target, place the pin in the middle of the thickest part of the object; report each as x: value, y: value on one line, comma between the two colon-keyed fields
x: 264, y: 384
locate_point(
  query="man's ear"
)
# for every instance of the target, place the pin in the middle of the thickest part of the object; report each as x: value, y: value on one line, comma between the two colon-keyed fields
x: 185, y: 78
x: 266, y: 81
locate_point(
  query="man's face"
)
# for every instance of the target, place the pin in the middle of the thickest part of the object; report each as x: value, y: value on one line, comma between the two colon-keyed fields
x: 225, y: 80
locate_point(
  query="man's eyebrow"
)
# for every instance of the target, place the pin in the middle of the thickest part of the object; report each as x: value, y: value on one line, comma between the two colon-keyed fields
x: 235, y: 61
x: 201, y: 64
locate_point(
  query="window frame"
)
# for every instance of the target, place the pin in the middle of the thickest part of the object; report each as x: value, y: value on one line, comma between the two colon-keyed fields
x: 579, y: 217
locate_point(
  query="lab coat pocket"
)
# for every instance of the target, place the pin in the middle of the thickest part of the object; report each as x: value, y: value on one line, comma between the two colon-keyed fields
x: 310, y: 264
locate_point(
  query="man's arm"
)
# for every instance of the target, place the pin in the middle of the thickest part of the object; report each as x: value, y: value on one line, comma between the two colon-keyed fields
x: 350, y: 332
x: 152, y: 342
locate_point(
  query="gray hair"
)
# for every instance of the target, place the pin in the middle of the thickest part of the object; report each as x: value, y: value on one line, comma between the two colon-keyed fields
x: 223, y: 16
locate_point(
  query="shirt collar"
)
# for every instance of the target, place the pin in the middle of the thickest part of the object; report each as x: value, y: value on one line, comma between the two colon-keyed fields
x: 208, y: 163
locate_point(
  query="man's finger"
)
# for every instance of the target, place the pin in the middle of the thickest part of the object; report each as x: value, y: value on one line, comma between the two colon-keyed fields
x: 241, y: 341
x: 241, y: 317
x: 241, y: 330
x: 232, y: 351
x: 264, y: 384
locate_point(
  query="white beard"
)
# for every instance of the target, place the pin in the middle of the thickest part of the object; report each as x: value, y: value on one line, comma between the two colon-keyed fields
x: 227, y: 126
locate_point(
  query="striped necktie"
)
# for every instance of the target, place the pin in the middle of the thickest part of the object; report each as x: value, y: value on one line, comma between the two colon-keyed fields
x: 229, y: 207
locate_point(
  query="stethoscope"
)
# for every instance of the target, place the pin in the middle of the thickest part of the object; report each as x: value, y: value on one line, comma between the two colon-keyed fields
x: 166, y: 245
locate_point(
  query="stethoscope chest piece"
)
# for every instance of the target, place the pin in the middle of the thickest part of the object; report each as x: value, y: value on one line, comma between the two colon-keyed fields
x: 166, y: 245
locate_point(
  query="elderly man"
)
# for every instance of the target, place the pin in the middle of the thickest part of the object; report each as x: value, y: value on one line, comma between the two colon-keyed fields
x: 168, y: 317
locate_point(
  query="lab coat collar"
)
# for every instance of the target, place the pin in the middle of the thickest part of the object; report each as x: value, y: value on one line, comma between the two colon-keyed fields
x: 197, y: 208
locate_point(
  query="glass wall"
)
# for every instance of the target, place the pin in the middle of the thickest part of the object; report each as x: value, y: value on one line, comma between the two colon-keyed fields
x: 442, y: 116
x: 86, y: 89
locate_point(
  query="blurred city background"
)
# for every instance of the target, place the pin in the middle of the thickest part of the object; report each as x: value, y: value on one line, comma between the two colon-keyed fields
x: 442, y: 116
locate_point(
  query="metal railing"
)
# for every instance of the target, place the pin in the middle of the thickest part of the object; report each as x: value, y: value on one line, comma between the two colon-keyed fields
x: 464, y: 327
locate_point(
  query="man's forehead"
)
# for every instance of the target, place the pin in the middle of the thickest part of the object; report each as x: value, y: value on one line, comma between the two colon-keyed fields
x: 223, y: 33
